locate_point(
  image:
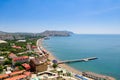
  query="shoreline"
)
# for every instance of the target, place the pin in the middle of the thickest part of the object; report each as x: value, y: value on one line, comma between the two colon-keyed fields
x: 65, y: 66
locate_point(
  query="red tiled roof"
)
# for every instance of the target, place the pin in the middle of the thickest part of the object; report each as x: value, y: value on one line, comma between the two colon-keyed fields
x: 34, y: 46
x: 26, y: 66
x: 17, y: 77
x: 27, y: 73
x: 12, y: 55
x: 3, y: 76
x: 17, y: 47
x: 17, y: 72
x: 20, y: 58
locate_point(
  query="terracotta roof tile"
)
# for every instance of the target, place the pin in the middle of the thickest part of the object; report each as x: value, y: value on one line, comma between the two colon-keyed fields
x: 17, y: 72
x: 26, y: 66
x: 20, y: 58
x: 4, y: 76
x: 17, y: 77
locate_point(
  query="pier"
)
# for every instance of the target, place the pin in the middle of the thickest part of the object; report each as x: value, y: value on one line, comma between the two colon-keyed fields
x: 78, y: 60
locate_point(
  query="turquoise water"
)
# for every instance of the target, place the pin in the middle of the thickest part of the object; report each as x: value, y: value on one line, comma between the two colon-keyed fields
x: 105, y: 47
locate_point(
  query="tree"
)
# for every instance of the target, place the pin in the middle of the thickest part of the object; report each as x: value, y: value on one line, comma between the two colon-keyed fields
x: 17, y: 64
x: 1, y: 68
x: 55, y: 66
x: 21, y: 68
x: 7, y: 62
x: 68, y: 74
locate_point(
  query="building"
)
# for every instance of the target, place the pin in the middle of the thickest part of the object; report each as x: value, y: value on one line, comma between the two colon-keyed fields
x: 2, y: 41
x: 2, y: 59
x: 16, y: 47
x: 26, y: 66
x: 3, y: 76
x: 33, y: 47
x: 21, y: 59
x: 18, y: 75
x: 12, y: 55
x: 28, y: 46
x: 38, y: 65
x: 21, y: 41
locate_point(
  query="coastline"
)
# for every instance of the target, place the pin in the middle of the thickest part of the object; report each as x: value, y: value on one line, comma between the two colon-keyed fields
x: 65, y: 66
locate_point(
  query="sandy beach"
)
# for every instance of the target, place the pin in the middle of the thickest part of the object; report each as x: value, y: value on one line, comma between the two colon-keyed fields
x: 68, y: 68
x: 65, y: 66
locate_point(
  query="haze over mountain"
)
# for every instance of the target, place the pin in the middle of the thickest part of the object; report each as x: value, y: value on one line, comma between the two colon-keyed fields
x: 22, y: 35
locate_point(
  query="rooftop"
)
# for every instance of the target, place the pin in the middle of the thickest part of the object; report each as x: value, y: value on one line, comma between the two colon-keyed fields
x: 26, y: 66
x: 17, y: 77
x: 3, y: 76
x: 38, y: 61
x: 27, y: 73
x: 17, y: 47
x: 12, y: 55
x: 17, y: 72
x: 20, y: 58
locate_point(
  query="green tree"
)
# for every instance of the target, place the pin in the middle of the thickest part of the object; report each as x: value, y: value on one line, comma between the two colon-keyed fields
x: 8, y: 61
x: 1, y: 68
x: 21, y: 68
x: 68, y: 74
x: 17, y: 64
x: 55, y: 66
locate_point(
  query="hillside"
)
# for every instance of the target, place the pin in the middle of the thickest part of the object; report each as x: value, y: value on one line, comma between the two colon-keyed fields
x: 56, y: 33
x: 21, y: 35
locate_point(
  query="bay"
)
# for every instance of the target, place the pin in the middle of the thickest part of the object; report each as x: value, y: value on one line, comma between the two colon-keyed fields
x: 105, y: 47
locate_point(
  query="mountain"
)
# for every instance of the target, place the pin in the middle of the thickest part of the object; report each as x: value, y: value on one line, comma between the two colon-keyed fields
x: 1, y: 32
x: 56, y: 33
x: 23, y: 35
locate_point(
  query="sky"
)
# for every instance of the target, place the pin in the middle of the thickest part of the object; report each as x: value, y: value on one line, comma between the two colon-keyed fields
x: 79, y: 16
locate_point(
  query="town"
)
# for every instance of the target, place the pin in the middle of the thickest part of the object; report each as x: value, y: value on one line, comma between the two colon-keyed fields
x: 26, y: 60
x: 23, y: 57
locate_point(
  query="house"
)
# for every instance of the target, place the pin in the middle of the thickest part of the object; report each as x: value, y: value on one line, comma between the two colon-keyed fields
x: 17, y: 75
x: 12, y: 55
x: 20, y: 59
x: 28, y: 46
x: 2, y: 59
x: 3, y: 76
x: 16, y: 47
x: 37, y: 65
x: 26, y: 66
x: 2, y: 41
x: 21, y: 41
x: 33, y: 47
x: 28, y: 74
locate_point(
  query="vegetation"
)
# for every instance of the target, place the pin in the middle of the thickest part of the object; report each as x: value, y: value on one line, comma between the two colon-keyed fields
x: 68, y: 74
x: 8, y: 46
x: 6, y: 49
x: 18, y: 64
x: 1, y: 68
x: 5, y: 53
x: 55, y: 66
x: 20, y: 67
x: 28, y: 54
x: 8, y: 61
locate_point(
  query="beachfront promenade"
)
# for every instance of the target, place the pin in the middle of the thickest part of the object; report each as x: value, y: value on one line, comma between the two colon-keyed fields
x: 78, y: 60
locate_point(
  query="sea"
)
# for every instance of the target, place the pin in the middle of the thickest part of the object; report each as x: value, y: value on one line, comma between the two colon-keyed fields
x: 105, y: 47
